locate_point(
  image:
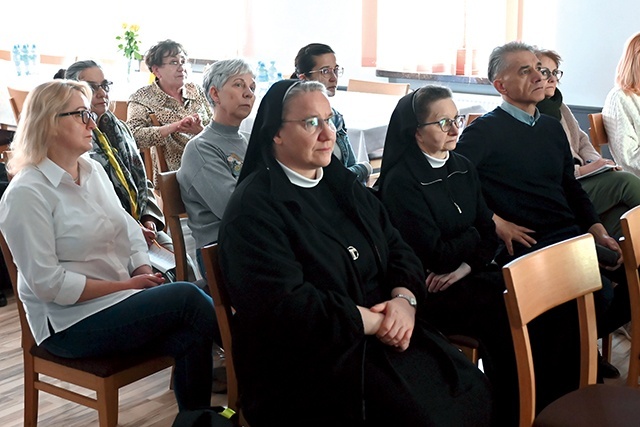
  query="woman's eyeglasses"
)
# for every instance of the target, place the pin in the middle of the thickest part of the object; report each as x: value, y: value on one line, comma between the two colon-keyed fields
x: 176, y: 63
x: 105, y: 85
x: 86, y: 115
x: 326, y: 71
x: 557, y: 74
x: 313, y: 124
x: 445, y: 124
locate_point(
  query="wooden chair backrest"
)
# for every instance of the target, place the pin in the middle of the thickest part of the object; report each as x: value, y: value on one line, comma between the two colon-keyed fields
x: 224, y: 313
x: 630, y: 223
x: 27, y: 338
x: 53, y: 59
x: 173, y: 209
x: 119, y: 109
x: 16, y: 99
x: 540, y: 281
x: 471, y: 117
x: 161, y: 165
x: 597, y: 131
x: 385, y: 88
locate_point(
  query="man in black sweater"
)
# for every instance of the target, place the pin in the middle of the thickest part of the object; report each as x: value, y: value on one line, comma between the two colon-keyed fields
x: 526, y: 170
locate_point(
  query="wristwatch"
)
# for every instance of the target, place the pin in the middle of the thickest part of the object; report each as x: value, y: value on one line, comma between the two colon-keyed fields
x: 410, y: 300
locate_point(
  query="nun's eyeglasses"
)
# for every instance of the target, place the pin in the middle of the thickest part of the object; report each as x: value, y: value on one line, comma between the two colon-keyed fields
x: 314, y: 124
x: 445, y: 124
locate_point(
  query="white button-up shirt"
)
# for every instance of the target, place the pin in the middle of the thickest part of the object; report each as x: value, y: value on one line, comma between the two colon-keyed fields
x: 60, y: 235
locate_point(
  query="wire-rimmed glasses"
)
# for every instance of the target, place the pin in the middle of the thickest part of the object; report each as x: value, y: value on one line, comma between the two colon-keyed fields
x: 313, y: 124
x: 445, y: 124
x: 326, y: 71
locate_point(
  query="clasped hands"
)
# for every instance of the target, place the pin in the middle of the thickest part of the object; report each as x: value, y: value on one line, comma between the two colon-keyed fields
x: 391, y: 321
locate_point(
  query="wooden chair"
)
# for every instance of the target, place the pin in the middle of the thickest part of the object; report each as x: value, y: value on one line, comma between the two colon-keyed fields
x: 52, y: 59
x: 597, y: 132
x: 471, y: 117
x: 103, y: 376
x: 630, y: 222
x: 385, y: 88
x: 16, y: 99
x: 153, y: 157
x: 224, y: 313
x: 173, y: 209
x: 119, y: 109
x: 545, y: 279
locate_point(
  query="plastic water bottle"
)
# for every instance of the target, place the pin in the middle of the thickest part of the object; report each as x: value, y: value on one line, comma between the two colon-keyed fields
x: 273, y: 73
x: 17, y: 61
x: 33, y: 59
x: 262, y: 79
x: 24, y: 57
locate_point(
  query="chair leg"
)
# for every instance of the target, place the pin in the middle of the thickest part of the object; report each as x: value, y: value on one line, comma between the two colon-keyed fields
x: 107, y: 396
x: 30, y: 394
x: 606, y: 348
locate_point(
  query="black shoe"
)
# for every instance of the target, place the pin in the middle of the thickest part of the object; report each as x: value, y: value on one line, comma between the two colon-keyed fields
x: 607, y: 370
x: 3, y: 299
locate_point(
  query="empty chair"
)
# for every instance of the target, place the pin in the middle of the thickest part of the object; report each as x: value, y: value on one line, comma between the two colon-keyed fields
x: 385, y: 88
x: 538, y: 282
x: 597, y: 132
x: 16, y: 99
x: 104, y: 376
x: 119, y: 109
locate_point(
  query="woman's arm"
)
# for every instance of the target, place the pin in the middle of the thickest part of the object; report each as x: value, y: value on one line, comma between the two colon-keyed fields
x: 622, y: 123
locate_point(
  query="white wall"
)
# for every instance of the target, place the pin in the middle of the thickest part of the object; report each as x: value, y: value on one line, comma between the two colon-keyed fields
x: 590, y: 35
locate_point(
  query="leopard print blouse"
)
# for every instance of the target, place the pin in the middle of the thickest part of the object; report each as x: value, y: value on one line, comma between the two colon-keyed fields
x: 152, y: 99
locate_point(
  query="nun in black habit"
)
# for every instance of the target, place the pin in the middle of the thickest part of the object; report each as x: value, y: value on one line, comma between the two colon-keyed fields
x: 325, y: 290
x: 434, y: 199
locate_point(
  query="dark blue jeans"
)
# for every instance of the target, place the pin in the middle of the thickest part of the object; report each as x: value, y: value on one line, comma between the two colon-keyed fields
x: 176, y: 319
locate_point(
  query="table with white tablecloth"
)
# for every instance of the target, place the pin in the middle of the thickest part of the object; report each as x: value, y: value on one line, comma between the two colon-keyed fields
x: 366, y: 116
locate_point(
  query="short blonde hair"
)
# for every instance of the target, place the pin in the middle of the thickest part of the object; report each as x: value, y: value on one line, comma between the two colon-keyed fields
x: 39, y: 119
x: 628, y: 70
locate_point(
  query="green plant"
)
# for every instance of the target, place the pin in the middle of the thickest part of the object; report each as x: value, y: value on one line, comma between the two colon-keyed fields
x: 130, y: 45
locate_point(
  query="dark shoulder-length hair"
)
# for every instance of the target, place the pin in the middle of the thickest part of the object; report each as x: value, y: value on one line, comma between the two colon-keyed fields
x: 306, y: 58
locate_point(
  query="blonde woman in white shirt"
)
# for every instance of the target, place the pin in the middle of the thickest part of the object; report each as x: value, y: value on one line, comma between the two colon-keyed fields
x: 621, y: 111
x: 83, y: 269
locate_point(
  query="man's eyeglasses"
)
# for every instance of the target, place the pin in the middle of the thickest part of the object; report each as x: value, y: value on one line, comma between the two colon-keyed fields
x: 176, y: 63
x: 445, y: 124
x: 326, y: 71
x: 557, y: 74
x: 313, y: 124
x: 86, y: 115
x: 105, y: 85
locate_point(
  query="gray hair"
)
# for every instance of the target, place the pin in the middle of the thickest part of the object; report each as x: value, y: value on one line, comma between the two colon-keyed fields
x: 74, y: 70
x: 302, y: 86
x: 220, y: 72
x: 497, y: 59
